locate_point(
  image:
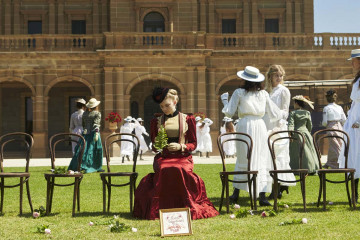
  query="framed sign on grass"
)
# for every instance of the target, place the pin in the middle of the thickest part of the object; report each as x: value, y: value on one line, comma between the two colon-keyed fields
x: 175, y: 222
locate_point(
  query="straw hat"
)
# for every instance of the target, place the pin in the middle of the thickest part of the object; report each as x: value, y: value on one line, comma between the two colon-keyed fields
x: 354, y: 54
x: 251, y: 74
x: 92, y: 103
x: 128, y: 119
x: 302, y: 98
x: 80, y: 100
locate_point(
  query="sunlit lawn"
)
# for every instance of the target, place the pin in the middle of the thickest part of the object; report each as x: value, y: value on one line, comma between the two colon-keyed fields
x: 338, y: 222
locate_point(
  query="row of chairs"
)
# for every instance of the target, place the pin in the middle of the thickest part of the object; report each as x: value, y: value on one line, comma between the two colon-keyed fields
x: 106, y: 177
x: 27, y: 141
x: 319, y: 137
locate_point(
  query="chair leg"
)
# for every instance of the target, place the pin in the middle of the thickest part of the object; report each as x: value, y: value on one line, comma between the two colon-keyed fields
x: 222, y: 191
x: 250, y: 194
x: 255, y: 190
x: 347, y: 178
x: 303, y: 190
x: 28, y: 194
x: 320, y: 190
x: 109, y: 193
x: 275, y: 190
x: 104, y: 194
x: 131, y: 193
x: 227, y: 193
x: 52, y: 185
x: 324, y: 190
x: 2, y: 195
x: 47, y: 196
x: 78, y: 196
x: 75, y: 196
x: 353, y: 190
x: 21, y: 194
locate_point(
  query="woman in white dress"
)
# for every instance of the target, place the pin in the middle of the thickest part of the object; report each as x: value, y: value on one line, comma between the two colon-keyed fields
x: 204, y: 133
x: 352, y: 124
x: 139, y: 131
x: 76, y: 121
x: 252, y: 102
x: 228, y: 127
x: 333, y: 118
x: 281, y: 96
x: 198, y: 137
x: 127, y: 147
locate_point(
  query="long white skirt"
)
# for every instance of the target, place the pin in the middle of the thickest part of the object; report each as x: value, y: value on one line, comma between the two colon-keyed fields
x: 260, y: 158
x: 127, y: 148
x: 143, y: 146
x: 206, y: 143
x: 229, y: 147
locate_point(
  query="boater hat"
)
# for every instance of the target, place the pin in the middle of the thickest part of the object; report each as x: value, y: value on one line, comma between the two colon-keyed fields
x: 302, y: 98
x: 80, y: 100
x: 354, y: 54
x: 128, y: 119
x: 92, y: 103
x: 198, y: 118
x: 139, y: 120
x: 251, y: 74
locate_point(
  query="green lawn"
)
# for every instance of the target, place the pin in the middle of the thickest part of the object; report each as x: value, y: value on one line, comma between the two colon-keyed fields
x: 339, y: 221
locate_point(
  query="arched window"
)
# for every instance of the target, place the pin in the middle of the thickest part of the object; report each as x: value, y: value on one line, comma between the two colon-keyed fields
x: 154, y: 22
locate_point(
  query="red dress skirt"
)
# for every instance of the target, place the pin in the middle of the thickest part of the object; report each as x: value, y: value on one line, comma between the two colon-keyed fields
x: 173, y: 185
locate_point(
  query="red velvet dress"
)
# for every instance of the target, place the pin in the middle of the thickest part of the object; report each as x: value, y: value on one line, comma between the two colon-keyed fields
x: 174, y: 184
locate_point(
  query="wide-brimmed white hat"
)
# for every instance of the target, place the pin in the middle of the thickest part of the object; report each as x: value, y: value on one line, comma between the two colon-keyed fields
x: 251, y: 74
x: 354, y: 54
x: 139, y: 120
x: 92, y: 103
x: 198, y: 118
x: 81, y: 100
x: 206, y: 120
x: 128, y: 119
x: 302, y: 98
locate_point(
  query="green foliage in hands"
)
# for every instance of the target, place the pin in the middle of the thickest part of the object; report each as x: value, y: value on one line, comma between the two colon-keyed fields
x: 161, y: 139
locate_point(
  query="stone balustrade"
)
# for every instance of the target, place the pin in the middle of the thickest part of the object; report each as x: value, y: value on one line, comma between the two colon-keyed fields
x: 179, y: 40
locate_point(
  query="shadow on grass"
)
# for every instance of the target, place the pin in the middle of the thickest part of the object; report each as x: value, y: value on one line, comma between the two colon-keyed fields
x: 126, y: 215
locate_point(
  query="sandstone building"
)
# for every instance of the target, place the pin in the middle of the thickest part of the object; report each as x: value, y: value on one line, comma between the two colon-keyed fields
x: 53, y: 51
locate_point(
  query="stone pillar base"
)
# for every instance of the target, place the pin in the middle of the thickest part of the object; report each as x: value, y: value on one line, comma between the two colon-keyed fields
x: 40, y: 149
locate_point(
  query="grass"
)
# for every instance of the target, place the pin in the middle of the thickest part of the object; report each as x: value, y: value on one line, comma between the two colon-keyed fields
x: 338, y: 222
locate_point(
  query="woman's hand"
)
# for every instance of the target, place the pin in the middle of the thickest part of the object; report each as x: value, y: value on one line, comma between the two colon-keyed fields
x: 172, y: 147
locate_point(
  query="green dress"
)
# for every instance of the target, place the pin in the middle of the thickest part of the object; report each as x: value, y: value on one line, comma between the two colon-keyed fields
x: 93, y: 153
x: 300, y: 120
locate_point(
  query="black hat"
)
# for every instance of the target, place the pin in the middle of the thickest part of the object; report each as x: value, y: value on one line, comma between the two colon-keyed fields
x: 330, y: 92
x: 159, y: 94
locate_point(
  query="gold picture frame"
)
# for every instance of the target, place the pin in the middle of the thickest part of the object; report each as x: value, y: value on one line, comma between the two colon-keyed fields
x: 175, y: 222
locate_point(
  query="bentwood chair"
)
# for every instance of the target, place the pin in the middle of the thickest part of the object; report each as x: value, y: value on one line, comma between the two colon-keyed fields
x: 299, y: 139
x: 246, y: 139
x: 334, y: 134
x: 23, y: 140
x: 75, y: 178
x: 108, y: 176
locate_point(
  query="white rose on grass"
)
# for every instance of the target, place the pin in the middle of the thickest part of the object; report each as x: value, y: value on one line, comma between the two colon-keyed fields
x: 134, y: 229
x: 47, y: 231
x: 116, y: 216
x: 237, y: 206
x: 304, y: 220
x: 232, y: 216
x: 91, y: 224
x: 286, y: 206
x: 36, y: 214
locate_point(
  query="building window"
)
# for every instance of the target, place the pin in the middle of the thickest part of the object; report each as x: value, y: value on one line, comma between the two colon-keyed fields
x: 229, y: 26
x: 271, y: 25
x: 34, y: 27
x: 154, y: 22
x: 78, y: 27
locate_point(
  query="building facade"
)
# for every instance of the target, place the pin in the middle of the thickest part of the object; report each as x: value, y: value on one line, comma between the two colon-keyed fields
x: 53, y: 51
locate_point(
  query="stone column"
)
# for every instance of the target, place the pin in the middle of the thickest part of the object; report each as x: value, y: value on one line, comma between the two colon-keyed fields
x: 297, y: 16
x: 119, y: 90
x: 201, y: 89
x: 16, y: 17
x: 127, y: 105
x: 97, y: 84
x: 95, y: 16
x: 51, y: 17
x: 60, y: 15
x: 104, y: 25
x: 202, y: 15
x: 254, y: 16
x: 137, y: 19
x: 246, y: 22
x: 190, y: 89
x: 212, y: 16
x: 108, y: 92
x: 289, y: 17
x: 39, y: 132
x: 194, y: 8
x: 213, y: 109
x: 7, y: 17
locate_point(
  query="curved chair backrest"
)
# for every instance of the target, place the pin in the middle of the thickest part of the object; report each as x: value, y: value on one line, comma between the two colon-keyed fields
x: 116, y: 138
x: 239, y: 137
x: 20, y: 137
x: 323, y: 134
x: 291, y: 136
x: 66, y: 137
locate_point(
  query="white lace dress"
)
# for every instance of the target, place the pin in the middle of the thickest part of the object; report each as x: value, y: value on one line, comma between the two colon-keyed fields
x: 281, y: 96
x: 127, y: 147
x: 229, y: 147
x: 251, y: 107
x: 204, y: 134
x: 139, y: 131
x: 76, y: 126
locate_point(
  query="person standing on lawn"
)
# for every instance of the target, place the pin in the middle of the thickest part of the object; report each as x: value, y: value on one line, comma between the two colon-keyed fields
x: 204, y: 133
x: 76, y: 121
x: 139, y: 131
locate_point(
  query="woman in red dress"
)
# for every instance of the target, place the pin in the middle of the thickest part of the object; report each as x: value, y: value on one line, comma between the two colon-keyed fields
x: 174, y: 184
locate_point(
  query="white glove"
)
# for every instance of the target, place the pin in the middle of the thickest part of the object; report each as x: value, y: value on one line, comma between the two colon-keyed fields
x: 224, y: 98
x: 172, y: 147
x: 96, y: 137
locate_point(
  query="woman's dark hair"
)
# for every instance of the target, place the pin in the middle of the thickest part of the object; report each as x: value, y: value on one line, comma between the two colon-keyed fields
x: 252, y: 86
x: 202, y: 125
x: 300, y: 103
x: 79, y: 105
x: 229, y: 126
